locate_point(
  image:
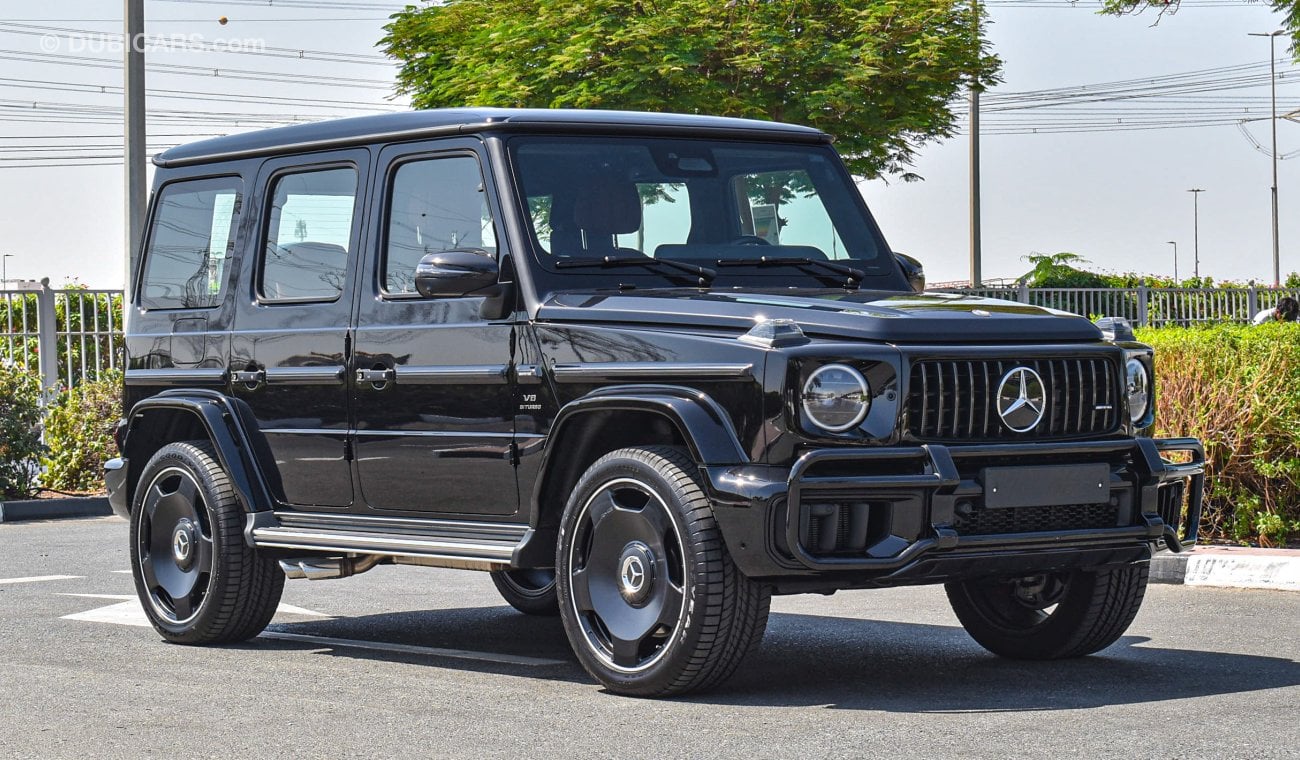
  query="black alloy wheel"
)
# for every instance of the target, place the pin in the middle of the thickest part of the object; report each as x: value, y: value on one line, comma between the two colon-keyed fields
x: 1050, y: 616
x: 651, y: 602
x: 174, y: 545
x: 197, y: 579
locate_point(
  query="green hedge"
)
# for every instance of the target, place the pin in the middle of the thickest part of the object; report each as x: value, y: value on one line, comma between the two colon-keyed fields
x: 79, y: 434
x: 20, y: 431
x: 1237, y: 388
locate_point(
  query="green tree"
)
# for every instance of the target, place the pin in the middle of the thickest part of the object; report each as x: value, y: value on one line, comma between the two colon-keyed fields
x: 880, y: 75
x: 1289, y: 9
x: 1059, y: 270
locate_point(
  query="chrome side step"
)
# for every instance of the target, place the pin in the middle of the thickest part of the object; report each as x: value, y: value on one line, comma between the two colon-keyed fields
x: 450, y: 542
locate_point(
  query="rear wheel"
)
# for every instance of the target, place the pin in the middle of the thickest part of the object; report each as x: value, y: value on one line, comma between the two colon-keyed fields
x: 650, y: 599
x: 198, y: 581
x: 532, y: 591
x: 1051, y: 616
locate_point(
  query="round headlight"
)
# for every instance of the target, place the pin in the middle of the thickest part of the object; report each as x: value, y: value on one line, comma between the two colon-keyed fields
x: 836, y: 397
x: 1138, y: 389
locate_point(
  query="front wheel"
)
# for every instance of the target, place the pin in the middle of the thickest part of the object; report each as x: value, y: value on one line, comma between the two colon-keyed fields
x: 1050, y: 616
x: 198, y: 581
x: 650, y: 599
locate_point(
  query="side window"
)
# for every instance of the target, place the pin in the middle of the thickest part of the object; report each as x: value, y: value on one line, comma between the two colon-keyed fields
x: 308, y: 236
x: 434, y: 205
x: 192, y: 238
x: 784, y: 208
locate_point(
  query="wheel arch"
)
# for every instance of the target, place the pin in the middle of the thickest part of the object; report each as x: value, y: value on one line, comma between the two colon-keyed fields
x: 617, y: 417
x: 186, y: 415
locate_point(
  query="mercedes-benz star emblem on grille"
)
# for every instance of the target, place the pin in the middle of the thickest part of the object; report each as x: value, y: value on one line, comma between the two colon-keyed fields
x: 1022, y: 399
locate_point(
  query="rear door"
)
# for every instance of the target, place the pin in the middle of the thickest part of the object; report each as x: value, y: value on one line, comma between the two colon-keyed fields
x: 289, y: 348
x: 435, y: 424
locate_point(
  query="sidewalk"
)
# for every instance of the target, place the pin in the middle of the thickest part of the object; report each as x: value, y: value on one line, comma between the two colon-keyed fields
x: 1230, y: 566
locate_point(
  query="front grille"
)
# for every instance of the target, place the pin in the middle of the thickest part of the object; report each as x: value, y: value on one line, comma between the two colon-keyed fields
x: 986, y: 522
x: 955, y: 399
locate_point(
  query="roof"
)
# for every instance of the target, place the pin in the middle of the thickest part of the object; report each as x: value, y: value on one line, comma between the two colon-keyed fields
x: 407, y: 125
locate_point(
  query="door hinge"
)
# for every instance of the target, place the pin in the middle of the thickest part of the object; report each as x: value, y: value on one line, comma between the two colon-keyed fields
x: 514, y: 454
x: 347, y: 450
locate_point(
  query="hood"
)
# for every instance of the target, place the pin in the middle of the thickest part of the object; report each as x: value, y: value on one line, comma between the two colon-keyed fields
x: 886, y: 316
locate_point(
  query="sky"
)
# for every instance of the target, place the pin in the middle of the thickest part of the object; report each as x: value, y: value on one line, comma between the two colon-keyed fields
x: 1112, y: 194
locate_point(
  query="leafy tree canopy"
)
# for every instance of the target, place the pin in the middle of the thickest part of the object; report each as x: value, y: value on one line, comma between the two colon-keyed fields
x: 880, y: 75
x: 1060, y: 270
x: 1289, y: 9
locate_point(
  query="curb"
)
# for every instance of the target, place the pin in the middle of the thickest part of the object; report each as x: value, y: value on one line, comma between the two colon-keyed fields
x: 1229, y: 567
x: 53, y: 509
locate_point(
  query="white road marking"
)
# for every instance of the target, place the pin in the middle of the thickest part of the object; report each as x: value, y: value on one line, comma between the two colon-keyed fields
x: 122, y: 613
x: 380, y: 646
x: 130, y: 612
x: 39, y: 578
x: 289, y: 609
x: 121, y: 572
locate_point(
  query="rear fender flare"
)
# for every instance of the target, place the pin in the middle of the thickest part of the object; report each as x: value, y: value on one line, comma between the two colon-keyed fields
x: 225, y: 427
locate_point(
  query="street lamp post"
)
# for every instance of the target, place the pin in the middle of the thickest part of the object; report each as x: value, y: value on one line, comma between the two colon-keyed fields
x: 1272, y: 72
x: 1196, y: 231
x: 4, y: 269
x: 1174, y: 243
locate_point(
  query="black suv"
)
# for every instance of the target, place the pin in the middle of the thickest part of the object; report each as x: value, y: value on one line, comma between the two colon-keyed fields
x: 645, y: 369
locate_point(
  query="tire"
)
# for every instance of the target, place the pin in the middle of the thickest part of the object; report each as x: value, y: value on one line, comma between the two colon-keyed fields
x: 198, y: 582
x: 650, y: 599
x: 1050, y: 617
x: 532, y: 592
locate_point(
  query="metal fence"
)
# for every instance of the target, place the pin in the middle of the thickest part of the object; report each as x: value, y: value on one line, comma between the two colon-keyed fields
x: 75, y: 334
x: 1143, y: 306
x: 66, y: 335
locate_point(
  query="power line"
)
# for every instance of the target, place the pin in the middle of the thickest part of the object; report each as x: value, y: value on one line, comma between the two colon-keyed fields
x: 324, y: 80
x: 183, y: 43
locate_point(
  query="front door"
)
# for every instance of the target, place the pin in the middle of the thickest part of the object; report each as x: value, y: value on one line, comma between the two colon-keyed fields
x: 288, y: 350
x: 433, y: 399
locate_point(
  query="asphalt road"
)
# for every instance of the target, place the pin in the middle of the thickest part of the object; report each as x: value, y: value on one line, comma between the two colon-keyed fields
x: 1202, y: 673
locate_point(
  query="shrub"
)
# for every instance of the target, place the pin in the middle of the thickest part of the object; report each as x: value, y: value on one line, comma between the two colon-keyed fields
x: 1237, y: 388
x: 79, y: 434
x: 20, y: 431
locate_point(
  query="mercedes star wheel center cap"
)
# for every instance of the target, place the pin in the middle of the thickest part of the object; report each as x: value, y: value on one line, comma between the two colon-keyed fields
x: 1022, y: 399
x: 183, y: 542
x: 635, y: 570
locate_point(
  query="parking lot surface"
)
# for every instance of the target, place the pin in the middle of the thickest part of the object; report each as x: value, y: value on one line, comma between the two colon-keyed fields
x: 412, y: 662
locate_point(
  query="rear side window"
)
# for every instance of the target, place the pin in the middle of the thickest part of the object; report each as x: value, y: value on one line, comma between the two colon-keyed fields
x: 309, y: 236
x: 192, y: 239
x: 435, y: 205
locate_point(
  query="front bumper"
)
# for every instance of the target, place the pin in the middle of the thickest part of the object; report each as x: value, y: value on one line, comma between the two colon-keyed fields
x: 923, y: 514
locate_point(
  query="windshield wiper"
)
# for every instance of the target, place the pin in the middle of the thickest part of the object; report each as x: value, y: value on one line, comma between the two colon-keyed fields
x: 704, y: 275
x: 851, y: 276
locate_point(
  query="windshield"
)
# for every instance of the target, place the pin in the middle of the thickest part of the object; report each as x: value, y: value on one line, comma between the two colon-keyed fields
x: 761, y: 211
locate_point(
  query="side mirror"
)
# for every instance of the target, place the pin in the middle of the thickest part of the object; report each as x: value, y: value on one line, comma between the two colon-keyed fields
x: 456, y: 273
x: 912, y: 270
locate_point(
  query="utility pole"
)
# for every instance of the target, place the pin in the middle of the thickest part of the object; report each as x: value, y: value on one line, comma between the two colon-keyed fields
x: 1196, y: 231
x: 137, y: 191
x: 975, y: 247
x: 1272, y: 71
x: 1174, y: 243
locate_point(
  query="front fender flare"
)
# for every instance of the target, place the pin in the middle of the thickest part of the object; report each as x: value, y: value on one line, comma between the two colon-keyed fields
x: 704, y: 424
